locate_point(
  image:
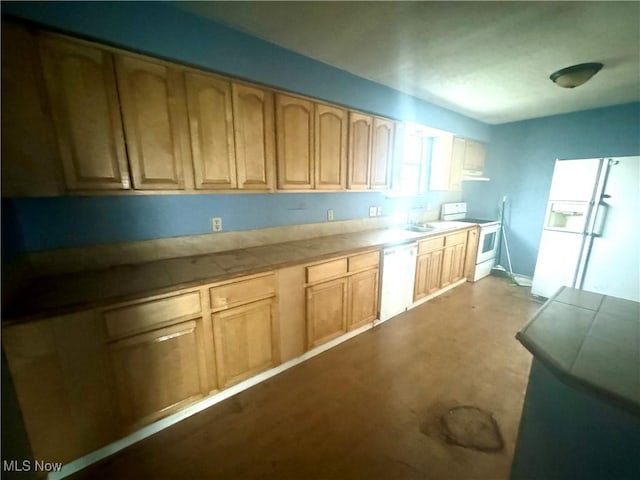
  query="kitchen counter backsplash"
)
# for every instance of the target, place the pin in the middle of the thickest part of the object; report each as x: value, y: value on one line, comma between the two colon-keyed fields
x: 55, y: 262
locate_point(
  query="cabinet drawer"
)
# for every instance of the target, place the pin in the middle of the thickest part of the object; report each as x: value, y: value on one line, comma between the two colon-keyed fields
x: 243, y: 291
x: 456, y: 238
x: 145, y: 316
x: 326, y: 270
x: 430, y: 245
x: 364, y: 261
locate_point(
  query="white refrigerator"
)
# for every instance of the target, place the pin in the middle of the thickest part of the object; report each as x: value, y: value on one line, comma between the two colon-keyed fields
x: 590, y: 238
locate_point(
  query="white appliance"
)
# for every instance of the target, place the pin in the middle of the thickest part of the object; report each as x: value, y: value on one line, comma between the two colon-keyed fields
x: 590, y: 238
x: 488, y: 237
x: 398, y: 276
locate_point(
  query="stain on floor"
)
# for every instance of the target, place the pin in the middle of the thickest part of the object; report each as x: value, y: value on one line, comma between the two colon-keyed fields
x: 472, y: 427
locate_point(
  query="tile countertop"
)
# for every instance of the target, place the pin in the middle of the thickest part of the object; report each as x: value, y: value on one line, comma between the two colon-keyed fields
x: 590, y: 341
x: 66, y: 293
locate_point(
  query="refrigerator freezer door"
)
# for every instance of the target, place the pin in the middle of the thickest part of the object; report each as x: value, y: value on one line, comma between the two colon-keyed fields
x: 613, y: 263
x: 557, y: 262
x: 574, y: 180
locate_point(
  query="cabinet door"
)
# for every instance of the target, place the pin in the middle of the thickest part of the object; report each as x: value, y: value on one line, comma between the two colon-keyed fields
x: 84, y: 101
x: 294, y: 135
x: 457, y: 271
x: 360, y: 127
x: 254, y: 137
x: 440, y: 172
x: 428, y: 274
x: 453, y: 258
x: 474, y: 157
x: 471, y: 253
x: 211, y: 131
x: 246, y: 341
x: 58, y: 368
x: 457, y: 160
x: 420, y: 284
x: 158, y: 372
x: 326, y: 311
x: 29, y: 154
x: 381, y: 153
x: 363, y: 298
x: 447, y: 157
x: 435, y: 271
x: 331, y: 147
x: 153, y: 111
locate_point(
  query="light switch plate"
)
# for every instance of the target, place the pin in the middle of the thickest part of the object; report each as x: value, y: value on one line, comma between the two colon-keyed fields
x: 379, y: 211
x: 372, y: 211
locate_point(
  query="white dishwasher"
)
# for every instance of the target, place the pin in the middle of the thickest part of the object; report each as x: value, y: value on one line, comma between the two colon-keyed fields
x: 398, y: 276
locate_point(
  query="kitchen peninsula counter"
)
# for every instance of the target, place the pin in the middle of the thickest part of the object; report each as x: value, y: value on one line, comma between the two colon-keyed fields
x: 590, y: 341
x: 68, y: 292
x: 581, y: 414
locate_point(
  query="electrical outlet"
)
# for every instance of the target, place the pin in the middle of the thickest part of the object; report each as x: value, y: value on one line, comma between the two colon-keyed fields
x: 372, y: 211
x: 330, y: 214
x: 216, y: 224
x: 379, y: 211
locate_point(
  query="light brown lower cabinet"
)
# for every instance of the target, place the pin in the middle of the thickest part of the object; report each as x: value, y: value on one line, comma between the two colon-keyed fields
x: 87, y: 379
x: 428, y: 274
x: 326, y: 311
x: 363, y: 298
x: 452, y: 264
x: 471, y: 254
x: 60, y: 371
x: 158, y: 372
x: 246, y: 341
x: 342, y: 295
x: 440, y: 263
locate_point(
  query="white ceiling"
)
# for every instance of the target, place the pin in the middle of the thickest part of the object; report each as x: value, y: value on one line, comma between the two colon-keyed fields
x: 488, y: 60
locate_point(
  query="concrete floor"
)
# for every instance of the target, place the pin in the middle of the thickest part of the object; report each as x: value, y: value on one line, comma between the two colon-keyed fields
x: 369, y: 408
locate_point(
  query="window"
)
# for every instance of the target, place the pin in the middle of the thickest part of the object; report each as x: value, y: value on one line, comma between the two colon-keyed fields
x: 413, y: 145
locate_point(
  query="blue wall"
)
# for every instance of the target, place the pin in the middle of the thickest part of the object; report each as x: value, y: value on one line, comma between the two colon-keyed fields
x: 48, y: 223
x: 520, y: 161
x: 160, y: 29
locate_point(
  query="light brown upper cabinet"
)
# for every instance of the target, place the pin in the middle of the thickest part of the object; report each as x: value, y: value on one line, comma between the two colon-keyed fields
x: 360, y: 127
x: 152, y: 103
x: 474, y: 156
x: 330, y: 147
x: 84, y: 101
x: 254, y: 136
x: 211, y: 131
x: 381, y: 153
x: 453, y: 158
x: 29, y: 154
x: 447, y: 157
x: 125, y: 121
x: 370, y: 152
x: 294, y: 138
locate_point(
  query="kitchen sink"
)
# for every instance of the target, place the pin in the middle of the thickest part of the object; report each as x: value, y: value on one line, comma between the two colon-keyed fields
x: 423, y: 227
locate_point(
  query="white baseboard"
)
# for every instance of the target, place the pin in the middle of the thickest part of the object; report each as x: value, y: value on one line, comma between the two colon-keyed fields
x: 438, y: 293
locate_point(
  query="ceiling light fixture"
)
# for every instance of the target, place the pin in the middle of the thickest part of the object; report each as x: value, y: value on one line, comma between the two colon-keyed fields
x: 575, y: 75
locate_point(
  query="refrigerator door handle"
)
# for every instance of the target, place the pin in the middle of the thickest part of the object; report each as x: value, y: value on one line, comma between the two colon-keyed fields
x: 585, y: 249
x: 600, y: 220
